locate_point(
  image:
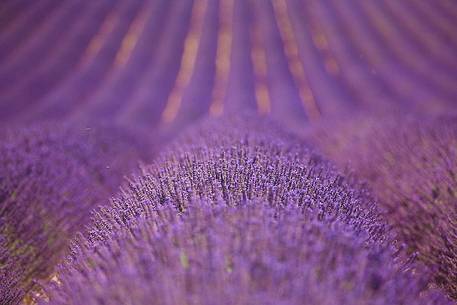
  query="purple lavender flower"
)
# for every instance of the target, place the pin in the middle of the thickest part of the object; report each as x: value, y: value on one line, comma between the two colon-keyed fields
x: 237, y: 159
x: 224, y: 164
x: 10, y: 290
x: 50, y: 179
x: 411, y: 165
x: 254, y: 253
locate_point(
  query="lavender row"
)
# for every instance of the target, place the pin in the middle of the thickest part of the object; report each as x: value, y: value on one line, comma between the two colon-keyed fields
x: 238, y: 210
x: 254, y: 253
x: 240, y: 158
x: 410, y: 164
x: 52, y: 176
x: 296, y: 60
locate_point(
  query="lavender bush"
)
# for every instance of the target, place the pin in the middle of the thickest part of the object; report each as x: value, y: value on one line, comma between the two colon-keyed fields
x: 238, y: 159
x: 254, y: 253
x: 411, y: 166
x: 50, y: 178
x: 300, y: 213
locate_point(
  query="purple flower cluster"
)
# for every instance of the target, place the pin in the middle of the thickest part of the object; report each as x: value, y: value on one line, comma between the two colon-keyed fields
x: 411, y: 166
x: 50, y: 179
x: 236, y: 159
x: 10, y: 290
x: 238, y: 211
x: 254, y: 253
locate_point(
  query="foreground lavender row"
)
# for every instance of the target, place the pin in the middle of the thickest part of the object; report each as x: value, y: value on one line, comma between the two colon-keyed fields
x: 235, y: 159
x: 248, y: 200
x: 242, y: 162
x: 253, y: 253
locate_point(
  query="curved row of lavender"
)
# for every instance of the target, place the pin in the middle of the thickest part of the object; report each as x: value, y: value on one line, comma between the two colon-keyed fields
x: 238, y: 158
x: 224, y: 161
x: 249, y: 215
x: 410, y: 163
x: 51, y: 176
x: 252, y: 253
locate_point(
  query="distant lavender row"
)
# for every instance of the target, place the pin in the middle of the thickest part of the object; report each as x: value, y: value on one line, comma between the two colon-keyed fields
x: 371, y: 55
x: 51, y: 177
x: 411, y: 164
x: 254, y: 253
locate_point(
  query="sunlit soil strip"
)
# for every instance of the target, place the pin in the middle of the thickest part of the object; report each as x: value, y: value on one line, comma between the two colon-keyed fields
x: 131, y: 38
x: 191, y: 45
x: 259, y: 63
x: 223, y: 53
x: 293, y: 59
x: 321, y: 43
x: 99, y: 39
x: 38, y: 293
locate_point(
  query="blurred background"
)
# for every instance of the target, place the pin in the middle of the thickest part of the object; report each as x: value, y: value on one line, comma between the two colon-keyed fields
x: 163, y: 64
x: 147, y: 69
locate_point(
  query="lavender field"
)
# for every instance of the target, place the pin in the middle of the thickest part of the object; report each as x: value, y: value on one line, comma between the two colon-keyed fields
x: 233, y: 152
